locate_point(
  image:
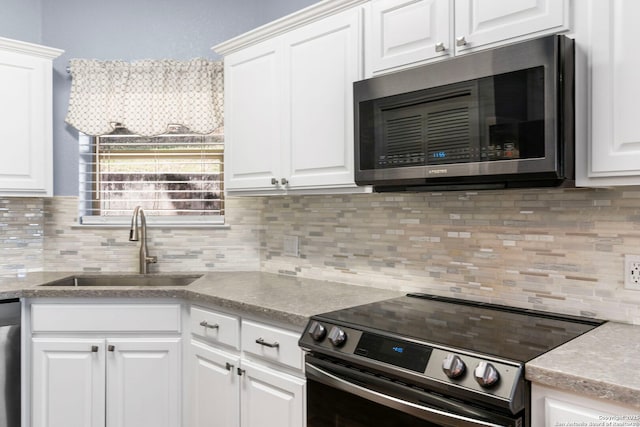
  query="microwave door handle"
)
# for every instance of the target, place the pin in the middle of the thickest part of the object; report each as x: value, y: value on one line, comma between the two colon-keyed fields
x: 423, y: 412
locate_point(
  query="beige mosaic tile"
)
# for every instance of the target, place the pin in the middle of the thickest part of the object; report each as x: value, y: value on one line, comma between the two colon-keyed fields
x: 550, y: 249
x: 21, y: 235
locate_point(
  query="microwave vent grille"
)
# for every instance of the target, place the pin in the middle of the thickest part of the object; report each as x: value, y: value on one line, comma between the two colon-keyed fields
x: 448, y: 135
x: 404, y: 135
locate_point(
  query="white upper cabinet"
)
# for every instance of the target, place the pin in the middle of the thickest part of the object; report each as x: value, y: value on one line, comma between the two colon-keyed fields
x: 486, y: 23
x: 607, y: 93
x: 253, y: 114
x: 26, y: 163
x: 289, y: 103
x: 404, y: 33
x: 321, y: 66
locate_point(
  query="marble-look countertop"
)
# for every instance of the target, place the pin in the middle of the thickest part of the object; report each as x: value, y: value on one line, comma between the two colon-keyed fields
x: 602, y: 363
x: 281, y: 299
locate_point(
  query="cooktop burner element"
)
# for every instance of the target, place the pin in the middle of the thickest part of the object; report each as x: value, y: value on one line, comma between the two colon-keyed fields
x: 468, y: 350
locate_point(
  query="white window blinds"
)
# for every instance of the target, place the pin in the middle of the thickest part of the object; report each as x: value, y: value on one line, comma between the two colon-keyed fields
x: 176, y: 177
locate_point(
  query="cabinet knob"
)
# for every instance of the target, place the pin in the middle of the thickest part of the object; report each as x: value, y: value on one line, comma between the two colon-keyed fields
x: 440, y: 47
x: 111, y: 348
x: 461, y: 41
x: 229, y: 366
x: 94, y: 348
x: 240, y: 371
x: 274, y: 181
x: 284, y: 181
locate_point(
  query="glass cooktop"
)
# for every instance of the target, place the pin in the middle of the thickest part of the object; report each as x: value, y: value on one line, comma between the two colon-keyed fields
x: 510, y: 333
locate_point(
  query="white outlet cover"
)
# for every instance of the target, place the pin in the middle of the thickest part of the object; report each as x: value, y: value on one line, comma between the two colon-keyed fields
x: 632, y: 272
x: 290, y: 246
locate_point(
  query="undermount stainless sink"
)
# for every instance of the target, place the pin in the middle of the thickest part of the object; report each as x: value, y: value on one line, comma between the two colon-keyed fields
x: 126, y: 280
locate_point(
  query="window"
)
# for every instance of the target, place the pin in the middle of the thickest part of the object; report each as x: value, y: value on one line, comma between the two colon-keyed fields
x: 177, y: 177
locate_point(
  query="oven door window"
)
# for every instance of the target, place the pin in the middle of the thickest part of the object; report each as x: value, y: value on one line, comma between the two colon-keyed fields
x: 351, y: 398
x: 329, y: 407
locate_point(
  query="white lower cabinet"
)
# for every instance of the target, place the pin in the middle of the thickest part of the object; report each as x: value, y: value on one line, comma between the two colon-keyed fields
x: 126, y: 377
x: 143, y: 382
x: 271, y: 398
x: 215, y: 387
x: 234, y: 385
x: 69, y: 382
x: 552, y: 407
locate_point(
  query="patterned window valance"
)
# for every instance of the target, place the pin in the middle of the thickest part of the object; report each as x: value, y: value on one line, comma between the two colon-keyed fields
x: 146, y: 96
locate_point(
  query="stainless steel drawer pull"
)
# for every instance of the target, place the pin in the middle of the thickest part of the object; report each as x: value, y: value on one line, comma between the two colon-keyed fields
x: 267, y: 344
x: 94, y: 348
x: 111, y: 348
x: 207, y: 325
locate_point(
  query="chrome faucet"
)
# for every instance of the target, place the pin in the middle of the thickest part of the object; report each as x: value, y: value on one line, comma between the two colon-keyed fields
x: 140, y: 233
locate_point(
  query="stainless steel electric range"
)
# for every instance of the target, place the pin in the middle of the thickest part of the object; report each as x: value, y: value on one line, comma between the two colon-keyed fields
x: 422, y: 360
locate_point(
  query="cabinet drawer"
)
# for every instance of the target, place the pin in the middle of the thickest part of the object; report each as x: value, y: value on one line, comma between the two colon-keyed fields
x: 105, y: 317
x: 215, y: 327
x: 272, y: 343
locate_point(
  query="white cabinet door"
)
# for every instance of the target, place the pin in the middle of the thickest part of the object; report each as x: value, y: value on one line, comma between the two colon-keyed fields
x: 289, y: 108
x: 253, y: 117
x: 553, y: 407
x: 613, y: 143
x: 483, y: 23
x: 215, y: 387
x: 322, y: 64
x: 143, y: 382
x: 68, y: 388
x: 26, y: 163
x: 558, y: 412
x: 407, y: 32
x: 271, y: 398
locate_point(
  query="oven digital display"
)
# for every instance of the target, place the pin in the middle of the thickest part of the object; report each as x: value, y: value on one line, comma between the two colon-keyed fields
x: 395, y: 352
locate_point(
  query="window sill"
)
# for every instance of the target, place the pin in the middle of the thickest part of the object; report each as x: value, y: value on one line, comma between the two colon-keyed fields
x: 157, y: 226
x: 168, y: 222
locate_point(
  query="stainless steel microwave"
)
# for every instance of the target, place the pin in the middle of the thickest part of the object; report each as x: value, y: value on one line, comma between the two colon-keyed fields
x: 498, y: 118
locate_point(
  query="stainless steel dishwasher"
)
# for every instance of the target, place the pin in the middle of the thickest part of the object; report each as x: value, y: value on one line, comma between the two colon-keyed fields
x: 9, y: 363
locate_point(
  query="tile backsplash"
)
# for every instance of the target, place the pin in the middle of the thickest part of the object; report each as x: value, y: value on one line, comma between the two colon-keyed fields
x: 556, y: 249
x: 550, y: 249
x: 21, y: 234
x: 68, y: 246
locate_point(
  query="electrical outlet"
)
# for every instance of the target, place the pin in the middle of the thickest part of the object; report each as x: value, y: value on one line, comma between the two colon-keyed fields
x: 290, y: 246
x: 632, y: 272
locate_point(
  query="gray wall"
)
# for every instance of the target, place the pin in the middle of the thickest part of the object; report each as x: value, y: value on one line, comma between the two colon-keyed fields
x: 128, y: 30
x: 21, y: 20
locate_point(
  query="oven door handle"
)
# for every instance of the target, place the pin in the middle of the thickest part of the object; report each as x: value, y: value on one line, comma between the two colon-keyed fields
x: 423, y: 412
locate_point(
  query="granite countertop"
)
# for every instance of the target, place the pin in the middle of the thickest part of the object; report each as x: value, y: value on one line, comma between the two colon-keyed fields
x: 282, y: 299
x: 602, y: 363
x: 605, y: 374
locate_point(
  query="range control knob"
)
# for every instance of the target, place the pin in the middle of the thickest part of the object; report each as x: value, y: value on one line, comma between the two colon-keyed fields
x: 317, y: 331
x: 337, y: 336
x: 486, y: 374
x: 453, y: 366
